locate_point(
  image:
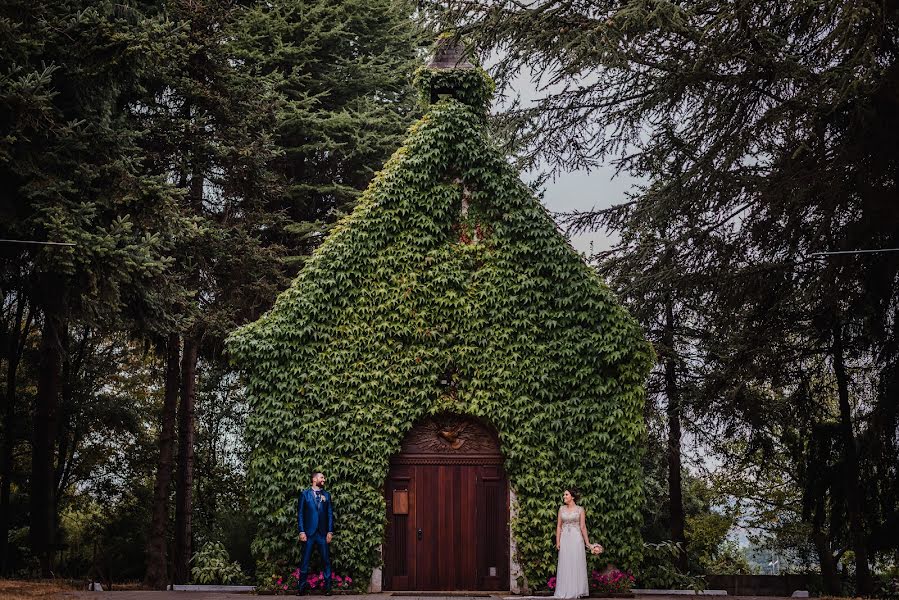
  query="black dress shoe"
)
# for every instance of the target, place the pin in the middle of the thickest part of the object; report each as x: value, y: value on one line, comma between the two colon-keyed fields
x: 327, y: 591
x: 301, y: 591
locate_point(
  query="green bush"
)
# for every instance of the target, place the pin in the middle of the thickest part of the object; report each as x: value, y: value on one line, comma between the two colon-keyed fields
x: 657, y: 569
x: 888, y: 583
x: 728, y: 559
x: 212, y: 566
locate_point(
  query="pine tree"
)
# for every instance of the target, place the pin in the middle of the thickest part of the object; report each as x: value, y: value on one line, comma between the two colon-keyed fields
x: 210, y: 122
x: 73, y: 171
x: 344, y: 69
x: 666, y: 290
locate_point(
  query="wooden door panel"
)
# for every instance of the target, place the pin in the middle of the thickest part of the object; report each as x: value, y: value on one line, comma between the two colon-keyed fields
x: 428, y: 542
x: 454, y: 535
x: 492, y: 565
x: 400, y: 557
x: 457, y: 535
x: 443, y: 533
x: 470, y: 518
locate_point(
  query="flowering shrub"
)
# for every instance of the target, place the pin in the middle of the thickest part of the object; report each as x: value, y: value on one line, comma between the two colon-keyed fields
x: 316, y: 581
x: 290, y: 583
x: 275, y: 584
x: 613, y: 582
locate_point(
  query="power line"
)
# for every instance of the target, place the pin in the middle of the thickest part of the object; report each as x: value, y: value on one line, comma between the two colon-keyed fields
x: 39, y: 243
x: 874, y: 251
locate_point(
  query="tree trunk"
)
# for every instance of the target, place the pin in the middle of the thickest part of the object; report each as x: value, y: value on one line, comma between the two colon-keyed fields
x: 854, y: 491
x: 64, y: 411
x: 184, y: 483
x: 69, y: 431
x: 829, y: 574
x: 156, y: 576
x: 17, y: 335
x: 675, y: 493
x: 43, y: 485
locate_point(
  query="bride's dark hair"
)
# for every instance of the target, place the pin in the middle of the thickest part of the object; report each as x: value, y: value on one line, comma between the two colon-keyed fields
x: 575, y: 493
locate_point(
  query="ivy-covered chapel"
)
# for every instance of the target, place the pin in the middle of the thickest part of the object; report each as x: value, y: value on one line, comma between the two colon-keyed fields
x: 452, y: 365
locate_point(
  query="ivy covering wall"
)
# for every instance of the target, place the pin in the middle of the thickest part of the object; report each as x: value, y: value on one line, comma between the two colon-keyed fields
x: 448, y: 265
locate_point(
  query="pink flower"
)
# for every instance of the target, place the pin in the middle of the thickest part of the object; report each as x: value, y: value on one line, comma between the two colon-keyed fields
x: 613, y: 581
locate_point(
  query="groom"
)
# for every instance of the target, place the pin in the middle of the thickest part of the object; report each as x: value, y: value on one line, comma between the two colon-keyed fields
x: 315, y: 520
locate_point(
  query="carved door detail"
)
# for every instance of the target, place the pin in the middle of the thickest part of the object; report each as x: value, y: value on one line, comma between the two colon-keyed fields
x: 447, y: 510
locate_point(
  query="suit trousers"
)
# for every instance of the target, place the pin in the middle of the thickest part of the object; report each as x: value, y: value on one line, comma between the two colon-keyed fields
x: 320, y: 540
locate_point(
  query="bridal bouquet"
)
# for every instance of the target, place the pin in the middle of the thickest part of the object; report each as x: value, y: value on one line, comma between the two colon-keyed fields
x: 595, y: 549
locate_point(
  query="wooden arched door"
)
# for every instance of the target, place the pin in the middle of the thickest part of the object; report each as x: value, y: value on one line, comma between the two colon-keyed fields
x: 447, y: 510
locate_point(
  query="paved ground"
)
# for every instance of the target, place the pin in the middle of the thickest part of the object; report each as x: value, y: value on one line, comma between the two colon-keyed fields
x: 149, y: 595
x: 114, y: 595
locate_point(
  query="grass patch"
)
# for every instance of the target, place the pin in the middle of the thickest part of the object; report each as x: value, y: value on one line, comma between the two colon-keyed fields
x: 15, y: 589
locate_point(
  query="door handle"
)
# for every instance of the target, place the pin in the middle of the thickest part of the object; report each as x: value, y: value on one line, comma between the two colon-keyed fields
x: 419, y: 535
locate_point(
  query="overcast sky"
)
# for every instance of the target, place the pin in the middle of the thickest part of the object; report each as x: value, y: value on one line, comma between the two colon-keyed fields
x: 578, y: 190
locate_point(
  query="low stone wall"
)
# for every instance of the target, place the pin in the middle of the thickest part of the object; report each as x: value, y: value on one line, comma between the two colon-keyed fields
x: 760, y: 585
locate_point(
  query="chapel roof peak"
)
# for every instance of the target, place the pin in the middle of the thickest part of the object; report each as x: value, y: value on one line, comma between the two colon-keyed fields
x: 451, y: 74
x: 449, y: 53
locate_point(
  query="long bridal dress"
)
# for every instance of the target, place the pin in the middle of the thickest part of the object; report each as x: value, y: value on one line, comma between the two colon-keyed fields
x: 571, y: 574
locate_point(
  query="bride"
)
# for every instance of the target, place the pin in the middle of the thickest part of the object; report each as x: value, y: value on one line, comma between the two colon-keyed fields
x: 571, y: 540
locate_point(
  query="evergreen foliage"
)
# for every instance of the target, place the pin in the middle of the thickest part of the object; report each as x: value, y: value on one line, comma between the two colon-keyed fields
x: 342, y: 69
x: 72, y: 172
x: 70, y: 163
x: 448, y: 265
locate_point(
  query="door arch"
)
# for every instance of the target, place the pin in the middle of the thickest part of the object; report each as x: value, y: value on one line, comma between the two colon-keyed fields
x: 447, y: 499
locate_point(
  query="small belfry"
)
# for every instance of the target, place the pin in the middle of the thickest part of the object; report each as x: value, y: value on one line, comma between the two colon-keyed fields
x: 448, y: 360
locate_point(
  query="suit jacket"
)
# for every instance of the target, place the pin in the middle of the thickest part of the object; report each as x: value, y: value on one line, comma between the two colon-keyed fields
x: 314, y: 516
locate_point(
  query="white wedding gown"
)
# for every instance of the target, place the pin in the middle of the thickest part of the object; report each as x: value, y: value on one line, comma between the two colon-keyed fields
x: 571, y: 574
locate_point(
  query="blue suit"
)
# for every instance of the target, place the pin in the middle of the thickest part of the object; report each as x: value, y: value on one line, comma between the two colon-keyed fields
x: 315, y: 518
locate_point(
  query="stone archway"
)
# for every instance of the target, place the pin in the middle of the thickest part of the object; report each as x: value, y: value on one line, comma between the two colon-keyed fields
x: 447, y: 509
